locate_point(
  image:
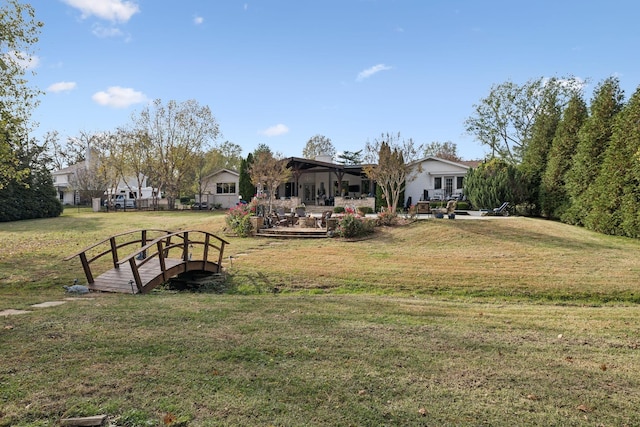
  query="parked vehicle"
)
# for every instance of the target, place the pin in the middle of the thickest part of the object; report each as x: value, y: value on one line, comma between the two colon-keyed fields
x: 122, y: 202
x: 200, y: 206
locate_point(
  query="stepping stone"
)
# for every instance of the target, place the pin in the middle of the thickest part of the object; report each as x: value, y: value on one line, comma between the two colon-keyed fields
x: 48, y: 304
x: 11, y: 312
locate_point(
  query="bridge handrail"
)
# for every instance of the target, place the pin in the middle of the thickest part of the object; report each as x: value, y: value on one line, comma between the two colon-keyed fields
x: 124, y: 233
x: 175, y: 245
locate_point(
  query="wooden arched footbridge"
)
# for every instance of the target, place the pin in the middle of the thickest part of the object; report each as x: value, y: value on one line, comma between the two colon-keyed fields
x: 150, y: 263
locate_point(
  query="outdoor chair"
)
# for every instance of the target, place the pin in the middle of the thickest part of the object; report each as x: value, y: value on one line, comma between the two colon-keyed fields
x: 502, y: 210
x: 280, y: 220
x: 451, y: 208
x: 325, y: 216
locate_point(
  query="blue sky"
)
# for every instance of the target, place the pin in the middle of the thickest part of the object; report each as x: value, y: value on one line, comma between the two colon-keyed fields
x: 281, y: 71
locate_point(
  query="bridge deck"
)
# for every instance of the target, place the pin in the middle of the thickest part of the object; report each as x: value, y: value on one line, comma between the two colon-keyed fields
x: 121, y: 279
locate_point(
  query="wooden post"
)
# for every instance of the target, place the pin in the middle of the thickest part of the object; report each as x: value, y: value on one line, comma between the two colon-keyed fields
x: 185, y: 247
x: 136, y: 273
x: 220, y: 254
x: 86, y: 268
x: 114, y: 252
x: 163, y: 265
x: 205, y: 254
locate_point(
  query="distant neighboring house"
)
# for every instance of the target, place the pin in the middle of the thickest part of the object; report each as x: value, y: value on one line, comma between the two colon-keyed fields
x: 438, y: 179
x: 64, y: 181
x: 222, y: 188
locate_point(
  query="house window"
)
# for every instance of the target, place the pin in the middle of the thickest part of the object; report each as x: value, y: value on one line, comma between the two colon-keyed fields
x: 459, y: 182
x: 437, y: 182
x: 225, y: 188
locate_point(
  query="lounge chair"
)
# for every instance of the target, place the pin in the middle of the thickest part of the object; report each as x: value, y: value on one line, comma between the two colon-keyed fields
x: 500, y: 211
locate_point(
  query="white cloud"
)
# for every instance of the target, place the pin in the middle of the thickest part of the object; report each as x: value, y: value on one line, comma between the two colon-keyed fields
x: 105, y: 32
x: 371, y: 71
x: 198, y: 20
x: 119, y: 97
x: 21, y: 59
x: 276, y: 130
x: 61, y: 87
x: 110, y: 10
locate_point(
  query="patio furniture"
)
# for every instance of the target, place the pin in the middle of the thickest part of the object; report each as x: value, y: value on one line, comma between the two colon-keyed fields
x: 325, y: 216
x: 451, y: 209
x: 500, y: 211
x: 423, y: 207
x: 280, y: 221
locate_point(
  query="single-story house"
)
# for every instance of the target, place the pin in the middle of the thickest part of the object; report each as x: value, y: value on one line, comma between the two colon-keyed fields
x: 436, y: 179
x: 321, y: 182
x: 222, y: 188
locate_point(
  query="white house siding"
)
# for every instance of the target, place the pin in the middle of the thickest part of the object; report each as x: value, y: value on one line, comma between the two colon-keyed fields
x: 226, y: 200
x: 425, y: 180
x: 63, y: 182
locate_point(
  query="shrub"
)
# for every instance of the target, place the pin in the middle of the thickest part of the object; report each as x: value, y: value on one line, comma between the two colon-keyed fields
x: 387, y: 217
x: 238, y: 219
x: 363, y: 210
x: 338, y: 209
x: 352, y: 226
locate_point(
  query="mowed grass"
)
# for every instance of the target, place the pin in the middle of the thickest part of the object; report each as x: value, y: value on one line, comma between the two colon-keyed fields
x: 500, y: 322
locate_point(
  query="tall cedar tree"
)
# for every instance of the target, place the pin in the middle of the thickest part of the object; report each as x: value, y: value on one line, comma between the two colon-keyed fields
x: 553, y: 196
x: 593, y: 140
x: 247, y: 189
x: 616, y: 189
x: 536, y: 152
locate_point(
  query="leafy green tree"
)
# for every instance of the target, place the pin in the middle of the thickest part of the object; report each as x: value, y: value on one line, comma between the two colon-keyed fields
x: 536, y: 151
x: 493, y: 183
x: 443, y: 150
x: 616, y: 190
x: 318, y: 145
x: 503, y: 120
x: 553, y: 196
x: 593, y: 139
x: 177, y: 133
x: 19, y: 32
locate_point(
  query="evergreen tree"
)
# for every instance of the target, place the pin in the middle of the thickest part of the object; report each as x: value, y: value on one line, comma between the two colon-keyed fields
x: 246, y: 188
x: 616, y: 188
x: 593, y: 140
x: 553, y: 196
x: 534, y: 159
x: 32, y: 196
x: 493, y: 183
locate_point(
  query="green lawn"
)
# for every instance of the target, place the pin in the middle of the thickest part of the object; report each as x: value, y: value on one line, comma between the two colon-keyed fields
x: 500, y: 322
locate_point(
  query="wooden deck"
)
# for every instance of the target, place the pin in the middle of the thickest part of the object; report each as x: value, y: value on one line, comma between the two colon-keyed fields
x: 122, y: 279
x: 293, y: 232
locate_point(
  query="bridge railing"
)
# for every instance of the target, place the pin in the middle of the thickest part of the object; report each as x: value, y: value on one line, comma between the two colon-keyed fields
x: 150, y: 248
x: 161, y: 247
x: 114, y: 244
